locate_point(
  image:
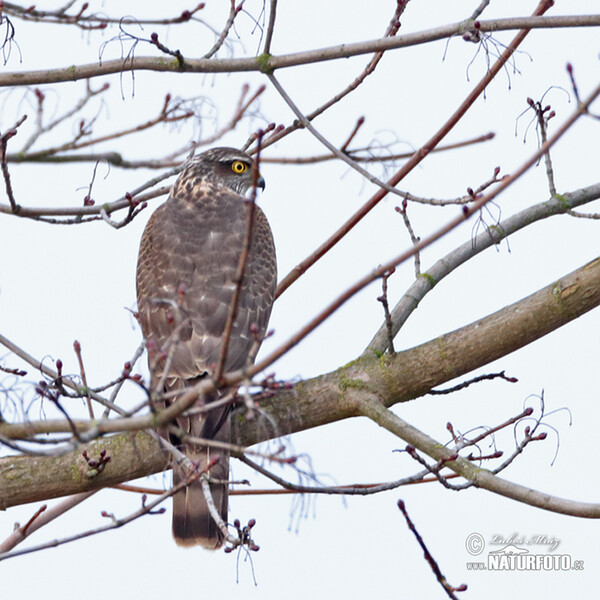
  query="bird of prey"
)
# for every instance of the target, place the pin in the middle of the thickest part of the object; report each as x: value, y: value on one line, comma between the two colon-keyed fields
x: 186, y: 277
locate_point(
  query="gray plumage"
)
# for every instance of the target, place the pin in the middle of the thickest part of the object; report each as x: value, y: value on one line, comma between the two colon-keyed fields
x: 188, y: 259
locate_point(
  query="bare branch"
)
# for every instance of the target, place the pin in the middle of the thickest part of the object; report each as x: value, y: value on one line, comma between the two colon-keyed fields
x: 466, y: 384
x: 423, y: 243
x: 386, y: 308
x: 233, y: 12
x: 90, y: 21
x: 114, y: 524
x: 368, y: 158
x: 212, y: 65
x: 429, y: 558
x: 481, y: 478
x: 41, y: 519
x: 477, y: 12
x: 494, y: 235
x: 270, y: 27
x: 41, y: 129
x: 341, y: 490
x: 14, y: 207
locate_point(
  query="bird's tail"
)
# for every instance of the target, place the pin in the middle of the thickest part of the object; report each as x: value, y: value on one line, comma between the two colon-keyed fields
x: 192, y: 522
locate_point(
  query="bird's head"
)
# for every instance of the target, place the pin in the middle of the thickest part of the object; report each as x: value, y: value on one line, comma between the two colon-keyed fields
x: 229, y: 167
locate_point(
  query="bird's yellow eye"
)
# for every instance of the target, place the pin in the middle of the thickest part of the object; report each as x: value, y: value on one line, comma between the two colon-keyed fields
x: 237, y: 166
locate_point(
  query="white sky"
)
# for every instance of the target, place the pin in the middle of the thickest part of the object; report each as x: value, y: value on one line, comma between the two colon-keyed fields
x: 59, y: 283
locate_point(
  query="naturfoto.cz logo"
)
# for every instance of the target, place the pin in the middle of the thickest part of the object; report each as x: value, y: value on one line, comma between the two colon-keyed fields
x: 513, y: 557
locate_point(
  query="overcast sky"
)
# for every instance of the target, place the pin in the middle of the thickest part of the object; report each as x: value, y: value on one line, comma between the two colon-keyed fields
x: 60, y: 283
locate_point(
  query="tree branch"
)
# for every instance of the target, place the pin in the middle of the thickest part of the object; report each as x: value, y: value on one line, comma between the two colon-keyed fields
x: 494, y: 235
x: 372, y: 408
x: 270, y: 63
x: 324, y: 399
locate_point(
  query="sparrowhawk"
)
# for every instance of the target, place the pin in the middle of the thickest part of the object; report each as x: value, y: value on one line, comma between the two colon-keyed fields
x: 186, y: 276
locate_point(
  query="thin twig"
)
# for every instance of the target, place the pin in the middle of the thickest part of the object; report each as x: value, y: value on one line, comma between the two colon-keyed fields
x: 52, y: 374
x: 429, y: 558
x: 543, y: 115
x: 359, y: 123
x: 367, y: 158
x: 233, y: 12
x: 241, y: 270
x: 357, y: 489
x: 477, y: 12
x: 270, y: 27
x: 3, y: 143
x: 88, y: 22
x: 212, y: 509
x: 77, y: 348
x: 386, y: 309
x: 119, y: 383
x: 580, y: 215
x: 90, y: 210
x: 163, y: 117
x: 42, y: 129
x: 402, y: 210
x: 465, y: 384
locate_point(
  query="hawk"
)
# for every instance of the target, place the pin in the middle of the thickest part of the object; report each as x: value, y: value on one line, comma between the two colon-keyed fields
x: 186, y: 276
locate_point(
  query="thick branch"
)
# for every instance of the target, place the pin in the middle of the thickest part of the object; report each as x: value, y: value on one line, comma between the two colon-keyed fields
x: 326, y: 398
x: 411, y: 373
x: 27, y: 479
